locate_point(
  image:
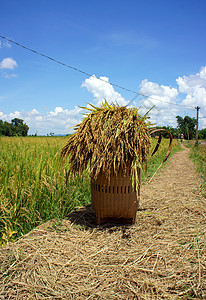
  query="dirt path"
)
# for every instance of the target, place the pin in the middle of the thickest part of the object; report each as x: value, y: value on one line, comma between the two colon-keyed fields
x: 162, y: 256
x: 177, y: 186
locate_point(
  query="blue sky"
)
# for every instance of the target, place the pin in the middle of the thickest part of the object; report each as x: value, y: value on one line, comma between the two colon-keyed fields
x: 153, y: 47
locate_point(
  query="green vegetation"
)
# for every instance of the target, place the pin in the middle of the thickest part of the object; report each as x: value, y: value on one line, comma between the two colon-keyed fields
x: 157, y: 159
x: 172, y: 130
x: 187, y: 126
x: 198, y: 155
x: 15, y: 128
x: 202, y: 134
x: 33, y: 183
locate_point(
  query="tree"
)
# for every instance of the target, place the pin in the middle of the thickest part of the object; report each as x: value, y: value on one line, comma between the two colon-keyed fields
x: 16, y: 122
x: 1, y: 127
x: 17, y: 127
x: 171, y: 129
x: 186, y: 126
x: 202, y: 134
x: 7, y: 129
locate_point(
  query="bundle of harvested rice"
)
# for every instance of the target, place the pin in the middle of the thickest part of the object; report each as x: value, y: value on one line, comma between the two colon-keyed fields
x: 109, y: 137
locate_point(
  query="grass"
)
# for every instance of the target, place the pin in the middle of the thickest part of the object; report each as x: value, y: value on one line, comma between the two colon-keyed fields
x: 32, y: 183
x: 198, y: 155
x: 157, y: 159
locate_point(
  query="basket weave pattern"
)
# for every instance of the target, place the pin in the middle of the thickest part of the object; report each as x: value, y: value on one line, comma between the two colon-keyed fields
x: 116, y: 199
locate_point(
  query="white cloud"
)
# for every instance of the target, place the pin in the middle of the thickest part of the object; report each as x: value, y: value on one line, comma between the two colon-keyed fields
x: 10, y: 75
x: 8, y: 63
x: 159, y: 95
x: 160, y: 92
x: 5, y: 44
x: 194, y: 86
x: 59, y: 121
x: 62, y: 121
x: 57, y: 111
x: 163, y: 113
x: 16, y: 114
x: 102, y: 89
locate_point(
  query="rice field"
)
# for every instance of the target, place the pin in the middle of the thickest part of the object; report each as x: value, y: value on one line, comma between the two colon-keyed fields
x: 33, y: 185
x: 198, y: 155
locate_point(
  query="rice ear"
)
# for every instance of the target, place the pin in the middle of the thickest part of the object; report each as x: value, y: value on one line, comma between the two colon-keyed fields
x: 109, y: 137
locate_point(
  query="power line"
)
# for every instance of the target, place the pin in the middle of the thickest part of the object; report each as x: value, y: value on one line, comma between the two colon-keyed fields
x: 90, y: 75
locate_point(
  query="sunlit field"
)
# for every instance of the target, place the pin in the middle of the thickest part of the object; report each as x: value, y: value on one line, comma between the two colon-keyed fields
x: 198, y: 155
x: 33, y: 185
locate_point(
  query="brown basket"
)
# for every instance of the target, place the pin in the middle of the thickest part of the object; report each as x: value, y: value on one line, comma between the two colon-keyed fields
x: 116, y: 199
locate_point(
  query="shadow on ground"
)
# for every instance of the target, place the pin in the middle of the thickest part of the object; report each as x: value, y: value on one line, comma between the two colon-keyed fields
x: 85, y: 216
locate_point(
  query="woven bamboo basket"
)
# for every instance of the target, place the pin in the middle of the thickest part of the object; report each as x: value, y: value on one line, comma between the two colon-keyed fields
x: 115, y: 199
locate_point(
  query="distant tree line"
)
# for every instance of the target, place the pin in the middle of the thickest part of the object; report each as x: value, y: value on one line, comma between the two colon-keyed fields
x: 17, y: 127
x: 187, y: 126
x: 202, y: 134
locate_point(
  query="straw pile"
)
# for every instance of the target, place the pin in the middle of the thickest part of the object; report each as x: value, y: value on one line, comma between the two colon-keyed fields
x: 162, y: 256
x: 108, y: 138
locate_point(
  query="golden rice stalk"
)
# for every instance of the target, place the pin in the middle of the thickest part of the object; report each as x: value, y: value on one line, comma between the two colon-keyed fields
x: 109, y: 138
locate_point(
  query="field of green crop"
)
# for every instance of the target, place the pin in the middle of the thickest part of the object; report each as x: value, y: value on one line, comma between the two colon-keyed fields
x: 33, y: 188
x: 198, y: 155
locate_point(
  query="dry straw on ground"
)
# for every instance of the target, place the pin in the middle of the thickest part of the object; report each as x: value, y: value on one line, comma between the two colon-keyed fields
x: 162, y: 256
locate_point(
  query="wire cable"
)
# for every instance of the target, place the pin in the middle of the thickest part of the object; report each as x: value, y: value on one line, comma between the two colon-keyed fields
x: 90, y: 75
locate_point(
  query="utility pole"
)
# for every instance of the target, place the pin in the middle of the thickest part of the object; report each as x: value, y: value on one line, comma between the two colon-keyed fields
x: 197, y: 108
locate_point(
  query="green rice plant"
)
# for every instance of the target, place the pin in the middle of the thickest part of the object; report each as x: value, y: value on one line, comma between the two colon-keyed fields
x: 198, y: 155
x: 157, y: 159
x: 7, y: 236
x: 33, y: 186
x: 32, y: 183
